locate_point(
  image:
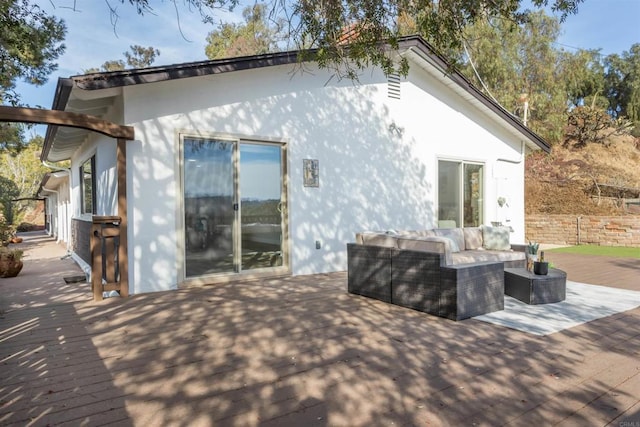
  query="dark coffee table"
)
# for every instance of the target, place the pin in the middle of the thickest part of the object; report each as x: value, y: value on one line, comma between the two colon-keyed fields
x: 532, y: 288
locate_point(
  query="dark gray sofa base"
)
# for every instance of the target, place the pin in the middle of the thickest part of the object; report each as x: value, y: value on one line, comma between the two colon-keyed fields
x: 421, y: 281
x: 369, y: 272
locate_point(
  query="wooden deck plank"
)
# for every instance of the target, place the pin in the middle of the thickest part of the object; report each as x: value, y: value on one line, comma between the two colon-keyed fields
x: 300, y: 350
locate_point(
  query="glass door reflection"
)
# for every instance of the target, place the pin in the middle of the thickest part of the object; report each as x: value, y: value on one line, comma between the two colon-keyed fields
x: 209, y: 198
x: 261, y: 206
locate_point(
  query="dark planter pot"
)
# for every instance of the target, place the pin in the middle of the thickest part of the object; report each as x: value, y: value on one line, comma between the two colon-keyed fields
x: 10, y: 268
x: 541, y: 268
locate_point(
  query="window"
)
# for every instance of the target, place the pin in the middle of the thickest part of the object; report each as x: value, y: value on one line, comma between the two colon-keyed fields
x: 460, y: 194
x: 88, y: 186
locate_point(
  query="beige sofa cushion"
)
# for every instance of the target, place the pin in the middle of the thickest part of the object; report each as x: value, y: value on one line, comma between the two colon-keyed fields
x: 472, y: 238
x: 467, y: 257
x: 495, y: 238
x: 377, y: 239
x: 455, y: 234
x: 419, y: 233
x: 436, y: 244
x: 458, y: 245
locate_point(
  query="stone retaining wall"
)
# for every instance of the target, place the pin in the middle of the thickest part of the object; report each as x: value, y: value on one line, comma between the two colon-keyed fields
x: 585, y: 230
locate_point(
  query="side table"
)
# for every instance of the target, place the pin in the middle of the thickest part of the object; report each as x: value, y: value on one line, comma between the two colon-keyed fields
x: 531, y: 288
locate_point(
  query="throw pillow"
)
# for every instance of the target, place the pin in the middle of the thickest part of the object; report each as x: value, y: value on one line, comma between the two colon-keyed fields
x: 472, y: 238
x: 495, y: 238
x: 453, y: 246
x: 454, y: 234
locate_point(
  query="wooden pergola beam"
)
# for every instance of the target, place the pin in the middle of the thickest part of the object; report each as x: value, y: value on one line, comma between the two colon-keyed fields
x: 65, y: 118
x: 122, y: 134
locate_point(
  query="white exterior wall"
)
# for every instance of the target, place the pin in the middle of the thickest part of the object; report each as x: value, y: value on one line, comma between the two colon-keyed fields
x: 447, y: 127
x: 378, y: 158
x: 51, y: 202
x: 58, y: 205
x: 104, y: 148
x: 63, y: 213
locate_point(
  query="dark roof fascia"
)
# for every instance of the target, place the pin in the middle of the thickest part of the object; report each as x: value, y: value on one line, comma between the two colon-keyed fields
x: 63, y: 91
x: 113, y: 79
x: 442, y: 63
x: 43, y: 182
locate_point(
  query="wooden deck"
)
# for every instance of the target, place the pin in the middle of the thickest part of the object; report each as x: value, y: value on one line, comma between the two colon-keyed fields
x: 301, y: 351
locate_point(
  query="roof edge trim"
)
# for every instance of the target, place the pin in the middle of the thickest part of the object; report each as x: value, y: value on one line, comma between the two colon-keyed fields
x: 113, y: 79
x: 60, y: 99
x: 421, y: 47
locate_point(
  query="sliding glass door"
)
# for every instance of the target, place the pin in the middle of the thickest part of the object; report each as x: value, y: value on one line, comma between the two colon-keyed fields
x: 261, y: 206
x: 460, y: 194
x: 233, y: 206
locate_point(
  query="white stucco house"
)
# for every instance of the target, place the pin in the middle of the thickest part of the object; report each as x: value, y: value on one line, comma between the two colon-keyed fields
x: 246, y: 166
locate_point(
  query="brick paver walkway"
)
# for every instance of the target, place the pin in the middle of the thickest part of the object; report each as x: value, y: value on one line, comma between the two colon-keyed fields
x: 299, y: 351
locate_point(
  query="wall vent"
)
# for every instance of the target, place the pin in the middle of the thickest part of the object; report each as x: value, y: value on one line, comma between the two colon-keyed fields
x: 393, y: 86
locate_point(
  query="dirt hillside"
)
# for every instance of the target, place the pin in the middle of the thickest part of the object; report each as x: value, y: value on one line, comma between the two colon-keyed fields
x: 593, y: 180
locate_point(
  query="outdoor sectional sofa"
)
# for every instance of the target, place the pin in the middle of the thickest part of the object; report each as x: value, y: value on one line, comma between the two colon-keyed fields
x: 454, y: 273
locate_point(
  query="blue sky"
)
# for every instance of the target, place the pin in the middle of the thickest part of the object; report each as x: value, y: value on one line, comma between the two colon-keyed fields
x: 609, y: 25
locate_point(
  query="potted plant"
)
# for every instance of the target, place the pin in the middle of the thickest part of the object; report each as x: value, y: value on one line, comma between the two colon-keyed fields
x: 10, y: 262
x: 541, y: 267
x: 532, y: 254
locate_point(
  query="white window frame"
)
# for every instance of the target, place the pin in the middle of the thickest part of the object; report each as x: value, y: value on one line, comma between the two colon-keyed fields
x: 462, y: 163
x: 81, y: 173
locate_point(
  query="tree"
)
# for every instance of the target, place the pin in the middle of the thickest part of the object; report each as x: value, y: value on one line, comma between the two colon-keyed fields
x: 11, y: 137
x: 24, y: 171
x: 589, y: 125
x: 583, y: 77
x: 253, y: 37
x: 348, y: 35
x: 139, y: 57
x: 8, y: 192
x: 518, y: 63
x: 30, y: 42
x: 514, y: 63
x: 622, y: 85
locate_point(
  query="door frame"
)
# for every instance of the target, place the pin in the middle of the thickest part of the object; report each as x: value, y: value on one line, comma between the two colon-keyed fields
x: 285, y: 269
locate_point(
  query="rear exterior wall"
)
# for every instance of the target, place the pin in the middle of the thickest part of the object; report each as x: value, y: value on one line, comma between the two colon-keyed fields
x: 378, y: 158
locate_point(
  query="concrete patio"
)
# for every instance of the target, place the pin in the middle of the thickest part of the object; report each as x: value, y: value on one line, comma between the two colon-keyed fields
x: 300, y: 351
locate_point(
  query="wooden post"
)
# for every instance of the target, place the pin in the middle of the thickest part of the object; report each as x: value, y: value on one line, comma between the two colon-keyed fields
x: 96, y: 262
x: 121, y: 159
x: 105, y: 232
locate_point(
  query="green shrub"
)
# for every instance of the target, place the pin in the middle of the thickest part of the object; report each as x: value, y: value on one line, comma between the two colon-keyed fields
x: 6, y: 231
x: 27, y: 226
